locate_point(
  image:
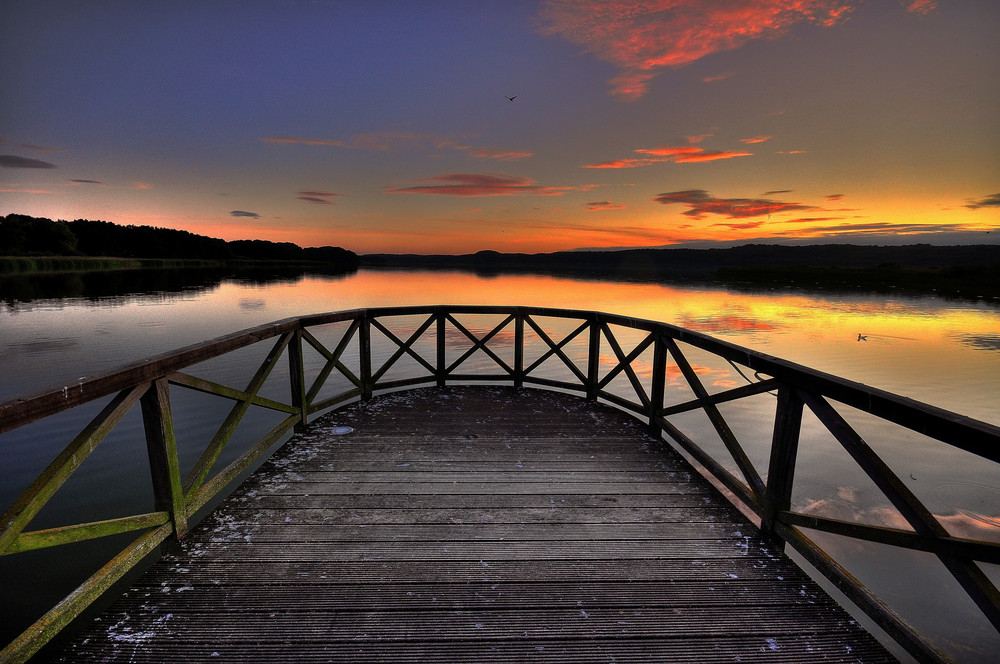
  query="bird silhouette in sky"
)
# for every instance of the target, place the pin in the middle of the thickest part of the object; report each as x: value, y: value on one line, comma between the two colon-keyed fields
x: 511, y: 98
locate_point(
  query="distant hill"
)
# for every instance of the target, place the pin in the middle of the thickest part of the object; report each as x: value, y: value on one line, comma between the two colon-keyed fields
x: 972, y: 270
x: 679, y: 262
x: 22, y: 235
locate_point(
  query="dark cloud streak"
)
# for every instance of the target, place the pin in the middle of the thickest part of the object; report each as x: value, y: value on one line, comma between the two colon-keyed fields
x: 701, y: 203
x: 13, y: 161
x: 992, y: 200
x: 477, y: 184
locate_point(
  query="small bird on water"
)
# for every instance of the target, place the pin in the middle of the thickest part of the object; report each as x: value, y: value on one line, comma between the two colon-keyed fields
x: 862, y: 337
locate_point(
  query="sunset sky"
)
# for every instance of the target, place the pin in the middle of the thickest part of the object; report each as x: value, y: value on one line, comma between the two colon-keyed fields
x: 386, y: 126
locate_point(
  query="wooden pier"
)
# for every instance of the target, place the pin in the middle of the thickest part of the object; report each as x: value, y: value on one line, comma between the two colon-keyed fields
x: 477, y: 524
x: 494, y: 523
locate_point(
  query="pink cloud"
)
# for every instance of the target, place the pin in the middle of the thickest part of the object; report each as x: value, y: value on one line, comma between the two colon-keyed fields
x: 717, y: 77
x: 922, y: 7
x: 756, y: 139
x: 646, y: 36
x: 476, y: 184
x: 25, y: 191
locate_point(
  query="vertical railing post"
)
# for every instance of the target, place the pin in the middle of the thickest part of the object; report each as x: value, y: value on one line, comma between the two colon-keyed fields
x: 161, y: 445
x: 297, y: 376
x: 658, y: 388
x: 442, y: 356
x: 365, y: 351
x: 781, y: 468
x: 518, y: 349
x: 593, y: 357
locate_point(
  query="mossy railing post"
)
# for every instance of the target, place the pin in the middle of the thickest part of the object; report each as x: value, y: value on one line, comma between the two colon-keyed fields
x: 161, y: 445
x: 297, y: 377
x: 365, y: 351
x: 777, y: 496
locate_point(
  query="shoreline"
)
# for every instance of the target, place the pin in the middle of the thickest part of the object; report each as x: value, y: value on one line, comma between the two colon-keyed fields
x: 29, y: 265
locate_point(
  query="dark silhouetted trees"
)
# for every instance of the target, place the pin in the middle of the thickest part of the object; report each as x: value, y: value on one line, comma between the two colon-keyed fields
x: 21, y: 235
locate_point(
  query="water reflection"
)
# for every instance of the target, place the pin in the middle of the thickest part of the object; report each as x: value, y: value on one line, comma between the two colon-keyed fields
x: 927, y: 348
x: 981, y: 341
x: 20, y: 290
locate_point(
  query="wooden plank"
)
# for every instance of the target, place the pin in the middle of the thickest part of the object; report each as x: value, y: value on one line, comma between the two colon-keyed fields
x: 440, y: 529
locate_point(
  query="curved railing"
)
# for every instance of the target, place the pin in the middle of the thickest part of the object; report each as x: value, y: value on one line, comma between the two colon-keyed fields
x: 631, y: 363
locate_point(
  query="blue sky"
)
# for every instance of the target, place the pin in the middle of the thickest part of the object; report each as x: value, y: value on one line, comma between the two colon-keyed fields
x: 385, y: 126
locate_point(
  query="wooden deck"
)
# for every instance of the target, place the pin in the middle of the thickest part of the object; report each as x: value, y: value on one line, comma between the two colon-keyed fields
x: 475, y: 524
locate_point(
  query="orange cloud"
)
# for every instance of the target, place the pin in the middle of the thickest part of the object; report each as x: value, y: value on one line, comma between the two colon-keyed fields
x: 682, y: 154
x: 741, y: 226
x: 500, y: 155
x: 700, y: 203
x: 625, y: 163
x: 671, y: 151
x: 475, y: 184
x: 646, y: 36
x: 756, y: 139
x: 710, y: 155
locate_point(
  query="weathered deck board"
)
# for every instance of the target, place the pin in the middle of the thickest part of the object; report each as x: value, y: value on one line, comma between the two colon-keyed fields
x: 475, y: 524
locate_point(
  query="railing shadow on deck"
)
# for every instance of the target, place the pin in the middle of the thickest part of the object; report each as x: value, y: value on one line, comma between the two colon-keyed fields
x: 627, y: 362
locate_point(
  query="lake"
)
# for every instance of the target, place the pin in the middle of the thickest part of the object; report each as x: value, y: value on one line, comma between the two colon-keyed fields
x: 940, y: 351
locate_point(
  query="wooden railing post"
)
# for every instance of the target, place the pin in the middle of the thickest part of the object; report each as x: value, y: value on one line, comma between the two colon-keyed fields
x: 365, y: 351
x: 593, y: 358
x: 781, y: 468
x: 161, y: 444
x: 297, y: 376
x: 442, y: 356
x: 658, y: 388
x: 518, y: 350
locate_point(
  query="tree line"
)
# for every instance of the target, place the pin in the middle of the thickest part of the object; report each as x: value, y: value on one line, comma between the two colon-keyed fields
x: 22, y: 235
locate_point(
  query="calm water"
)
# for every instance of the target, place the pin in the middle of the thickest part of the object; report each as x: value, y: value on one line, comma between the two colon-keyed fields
x: 943, y: 352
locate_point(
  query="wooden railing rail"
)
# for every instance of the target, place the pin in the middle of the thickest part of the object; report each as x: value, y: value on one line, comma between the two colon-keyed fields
x: 594, y: 354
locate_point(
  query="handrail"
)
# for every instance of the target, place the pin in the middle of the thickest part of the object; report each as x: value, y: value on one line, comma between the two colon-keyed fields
x: 579, y: 353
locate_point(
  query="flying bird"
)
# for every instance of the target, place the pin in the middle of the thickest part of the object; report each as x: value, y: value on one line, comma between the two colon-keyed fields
x: 511, y: 98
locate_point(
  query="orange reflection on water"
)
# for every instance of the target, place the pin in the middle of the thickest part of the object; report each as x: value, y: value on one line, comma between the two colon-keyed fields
x: 926, y: 348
